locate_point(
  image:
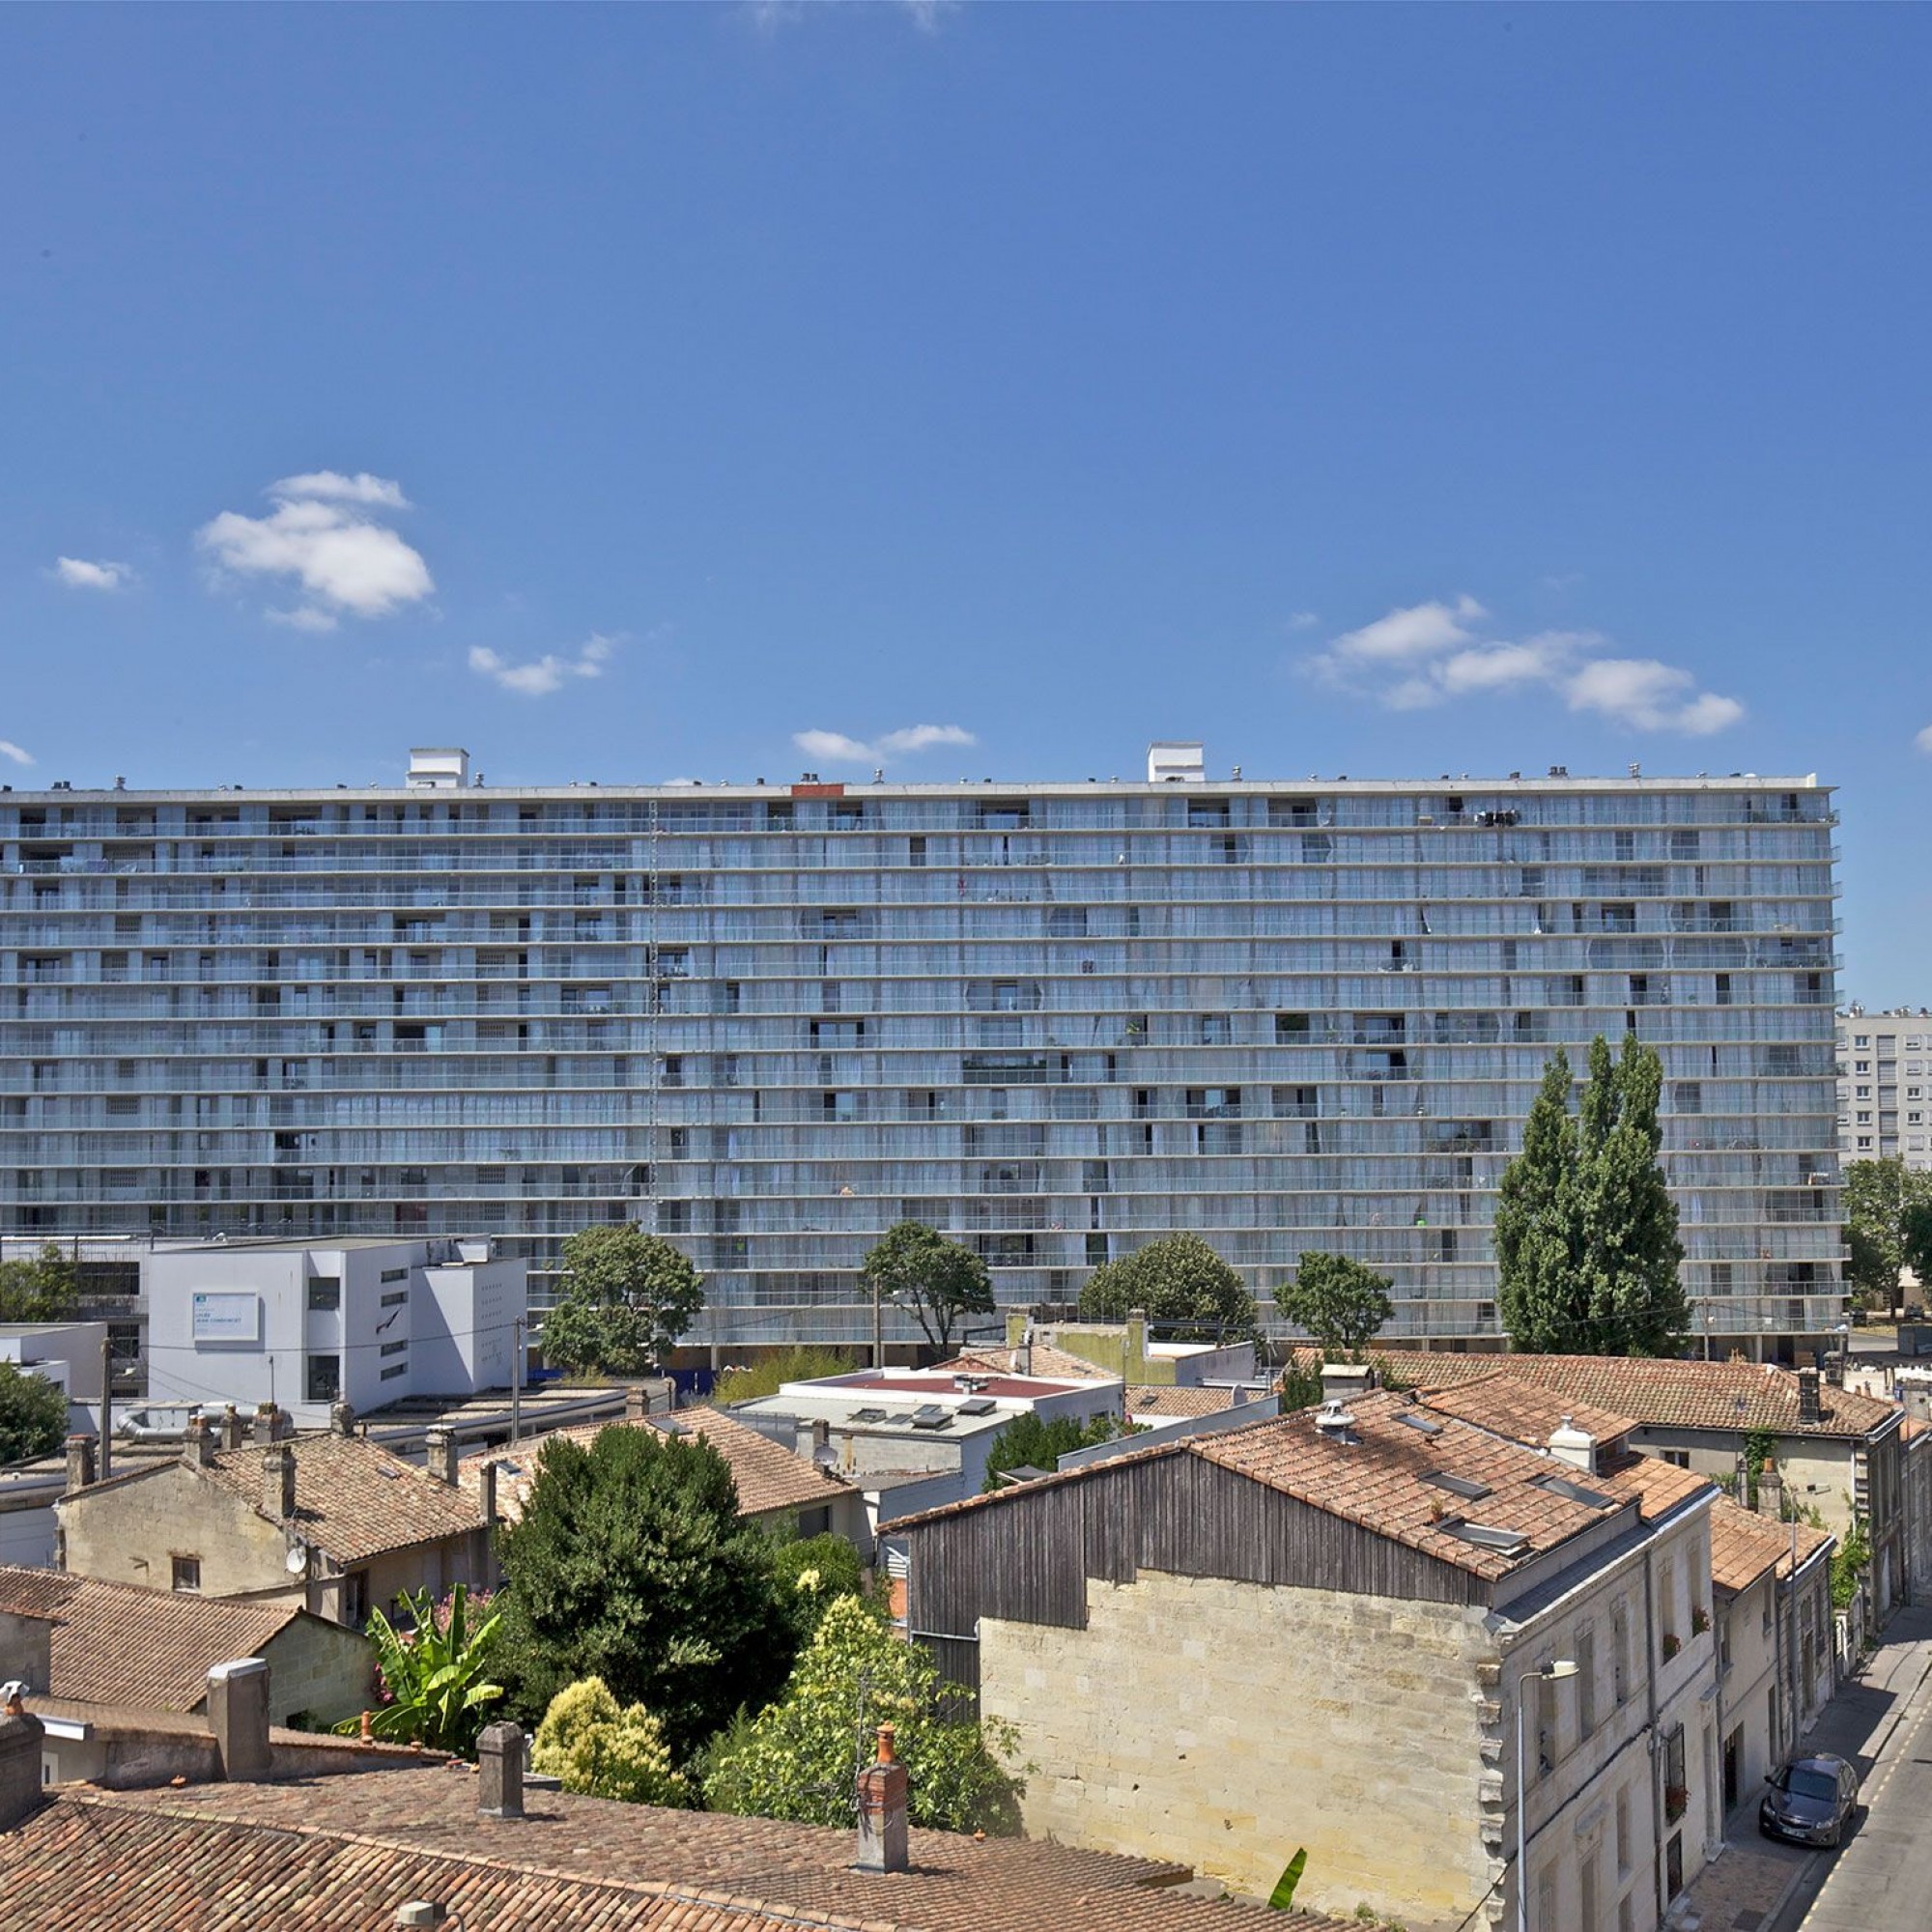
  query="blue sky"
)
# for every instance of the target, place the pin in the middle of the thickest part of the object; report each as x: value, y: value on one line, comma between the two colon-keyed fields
x: 623, y: 393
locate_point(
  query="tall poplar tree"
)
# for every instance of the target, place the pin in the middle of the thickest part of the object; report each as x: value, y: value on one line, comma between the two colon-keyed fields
x: 1587, y: 1252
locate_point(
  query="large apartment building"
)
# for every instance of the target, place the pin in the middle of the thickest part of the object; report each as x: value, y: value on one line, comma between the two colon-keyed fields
x: 1053, y: 1019
x: 1882, y: 1086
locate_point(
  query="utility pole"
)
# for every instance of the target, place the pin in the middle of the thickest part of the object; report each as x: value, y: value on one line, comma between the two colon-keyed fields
x: 878, y: 1328
x: 106, y: 1405
x: 516, y: 1379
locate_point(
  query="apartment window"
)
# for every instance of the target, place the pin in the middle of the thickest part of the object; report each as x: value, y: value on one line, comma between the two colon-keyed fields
x: 1586, y: 1681
x: 324, y: 1292
x: 187, y: 1572
x: 395, y: 1275
x: 1620, y: 1654
x: 323, y: 1381
x: 1864, y: 1140
x: 1625, y: 1845
x: 396, y: 1299
x: 395, y: 1347
x: 1864, y: 1093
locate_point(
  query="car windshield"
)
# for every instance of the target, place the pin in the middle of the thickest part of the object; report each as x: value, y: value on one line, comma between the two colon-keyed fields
x: 1804, y: 1783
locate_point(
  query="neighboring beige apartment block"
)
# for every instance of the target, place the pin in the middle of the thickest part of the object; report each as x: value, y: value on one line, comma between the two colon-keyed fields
x: 1883, y: 1084
x: 1337, y: 1630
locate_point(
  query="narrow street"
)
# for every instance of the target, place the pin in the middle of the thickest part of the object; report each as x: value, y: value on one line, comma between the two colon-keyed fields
x: 1881, y: 1881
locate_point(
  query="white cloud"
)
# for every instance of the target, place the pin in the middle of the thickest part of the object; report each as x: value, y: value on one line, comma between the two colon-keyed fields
x: 78, y: 573
x: 331, y: 486
x: 9, y: 749
x: 1302, y: 620
x: 545, y: 674
x: 835, y: 748
x: 1431, y: 654
x: 1924, y: 739
x: 325, y: 533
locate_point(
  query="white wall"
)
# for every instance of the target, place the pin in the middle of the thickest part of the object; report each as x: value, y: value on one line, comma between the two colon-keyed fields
x: 66, y: 1352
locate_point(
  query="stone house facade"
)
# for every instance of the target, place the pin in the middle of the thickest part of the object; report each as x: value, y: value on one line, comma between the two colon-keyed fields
x: 1337, y: 1630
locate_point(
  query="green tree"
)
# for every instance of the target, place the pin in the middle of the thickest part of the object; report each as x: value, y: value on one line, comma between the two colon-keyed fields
x: 919, y: 1270
x: 1887, y: 1211
x: 1342, y: 1302
x: 630, y: 1563
x: 625, y: 1297
x: 33, y: 1414
x: 433, y: 1672
x: 1177, y: 1279
x: 800, y: 1759
x: 1029, y: 1442
x: 40, y: 1288
x: 606, y: 1750
x: 817, y: 1572
x: 1588, y: 1251
x: 788, y: 1365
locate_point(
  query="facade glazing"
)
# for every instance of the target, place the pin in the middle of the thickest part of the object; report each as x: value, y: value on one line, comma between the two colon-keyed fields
x: 1055, y: 1020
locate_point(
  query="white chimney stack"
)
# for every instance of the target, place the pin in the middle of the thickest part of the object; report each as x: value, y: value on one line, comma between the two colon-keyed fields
x: 1576, y: 1446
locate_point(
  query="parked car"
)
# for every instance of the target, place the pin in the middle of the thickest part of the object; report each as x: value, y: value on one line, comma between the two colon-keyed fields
x: 1809, y: 1801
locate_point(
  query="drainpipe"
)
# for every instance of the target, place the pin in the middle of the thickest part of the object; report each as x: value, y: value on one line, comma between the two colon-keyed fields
x: 1656, y: 1819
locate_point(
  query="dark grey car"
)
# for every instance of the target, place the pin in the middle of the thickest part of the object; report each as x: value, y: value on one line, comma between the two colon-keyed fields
x: 1809, y: 1801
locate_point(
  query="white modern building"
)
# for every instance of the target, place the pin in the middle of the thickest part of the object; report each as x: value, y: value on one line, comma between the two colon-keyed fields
x: 1882, y: 1083
x: 305, y: 1324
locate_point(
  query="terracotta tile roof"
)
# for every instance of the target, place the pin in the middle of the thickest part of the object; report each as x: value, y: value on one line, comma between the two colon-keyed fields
x: 1745, y: 1546
x: 117, y: 1643
x: 769, y: 1476
x: 347, y: 1850
x: 1164, y: 1400
x: 1662, y: 1394
x: 1525, y: 1411
x: 1055, y: 1364
x: 353, y: 1499
x: 1658, y: 1487
x: 1378, y: 1478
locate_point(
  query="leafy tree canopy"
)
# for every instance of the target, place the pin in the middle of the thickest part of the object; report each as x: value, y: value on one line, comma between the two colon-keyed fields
x: 1341, y: 1301
x: 918, y: 1268
x: 1887, y: 1211
x: 40, y: 1287
x: 788, y: 1365
x: 625, y: 1297
x: 1029, y: 1442
x: 800, y: 1759
x: 630, y: 1563
x: 606, y: 1750
x: 1177, y: 1279
x: 1587, y: 1252
x: 817, y: 1572
x: 33, y: 1414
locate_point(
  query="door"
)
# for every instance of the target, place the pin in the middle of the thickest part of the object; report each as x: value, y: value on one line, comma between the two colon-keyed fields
x: 1734, y: 1751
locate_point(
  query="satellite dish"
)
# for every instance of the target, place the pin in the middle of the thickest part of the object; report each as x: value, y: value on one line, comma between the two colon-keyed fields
x: 296, y: 1562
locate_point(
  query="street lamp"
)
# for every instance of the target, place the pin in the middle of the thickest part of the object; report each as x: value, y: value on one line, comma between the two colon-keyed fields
x: 1553, y: 1672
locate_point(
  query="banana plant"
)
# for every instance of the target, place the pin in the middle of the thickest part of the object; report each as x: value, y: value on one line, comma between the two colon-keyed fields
x: 433, y: 1672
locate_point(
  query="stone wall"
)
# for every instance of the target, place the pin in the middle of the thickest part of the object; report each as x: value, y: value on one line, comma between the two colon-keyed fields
x: 1224, y: 1724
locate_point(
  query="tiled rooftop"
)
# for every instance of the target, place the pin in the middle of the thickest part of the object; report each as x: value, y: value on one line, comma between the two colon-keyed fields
x: 769, y: 1476
x: 117, y: 1643
x: 1745, y: 1545
x: 1043, y: 1359
x: 1523, y: 1411
x: 1662, y: 1394
x: 1165, y: 1400
x: 1378, y: 1476
x: 346, y: 1851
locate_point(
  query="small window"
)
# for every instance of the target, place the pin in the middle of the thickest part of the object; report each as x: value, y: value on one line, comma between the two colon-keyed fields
x: 394, y: 1299
x: 395, y: 1275
x: 324, y: 1291
x: 187, y: 1573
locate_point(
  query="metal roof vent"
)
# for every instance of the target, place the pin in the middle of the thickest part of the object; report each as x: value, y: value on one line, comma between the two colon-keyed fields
x: 1334, y: 1421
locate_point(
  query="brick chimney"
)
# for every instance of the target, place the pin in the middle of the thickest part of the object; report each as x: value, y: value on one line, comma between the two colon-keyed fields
x: 231, y: 1427
x: 882, y: 1810
x: 198, y: 1444
x: 636, y: 1403
x: 20, y: 1736
x: 238, y: 1713
x: 486, y: 1490
x: 341, y: 1419
x: 442, y: 1457
x: 264, y: 1427
x: 499, y: 1763
x: 79, y: 1463
x: 278, y: 1482
x: 1808, y: 1409
x: 1770, y: 1492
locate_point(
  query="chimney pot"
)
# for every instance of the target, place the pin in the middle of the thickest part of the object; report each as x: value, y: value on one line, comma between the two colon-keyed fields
x: 198, y: 1444
x: 1573, y: 1445
x: 882, y: 1810
x: 636, y: 1403
x: 499, y: 1763
x: 443, y: 1455
x: 341, y: 1419
x: 79, y: 1463
x: 263, y: 1427
x: 486, y: 1486
x: 231, y: 1427
x: 21, y: 1740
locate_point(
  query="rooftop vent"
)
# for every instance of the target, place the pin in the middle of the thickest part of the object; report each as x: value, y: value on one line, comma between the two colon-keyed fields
x: 1334, y: 1421
x: 869, y: 1415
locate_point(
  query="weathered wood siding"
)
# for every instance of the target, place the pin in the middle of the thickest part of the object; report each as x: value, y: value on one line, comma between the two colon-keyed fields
x: 1027, y: 1558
